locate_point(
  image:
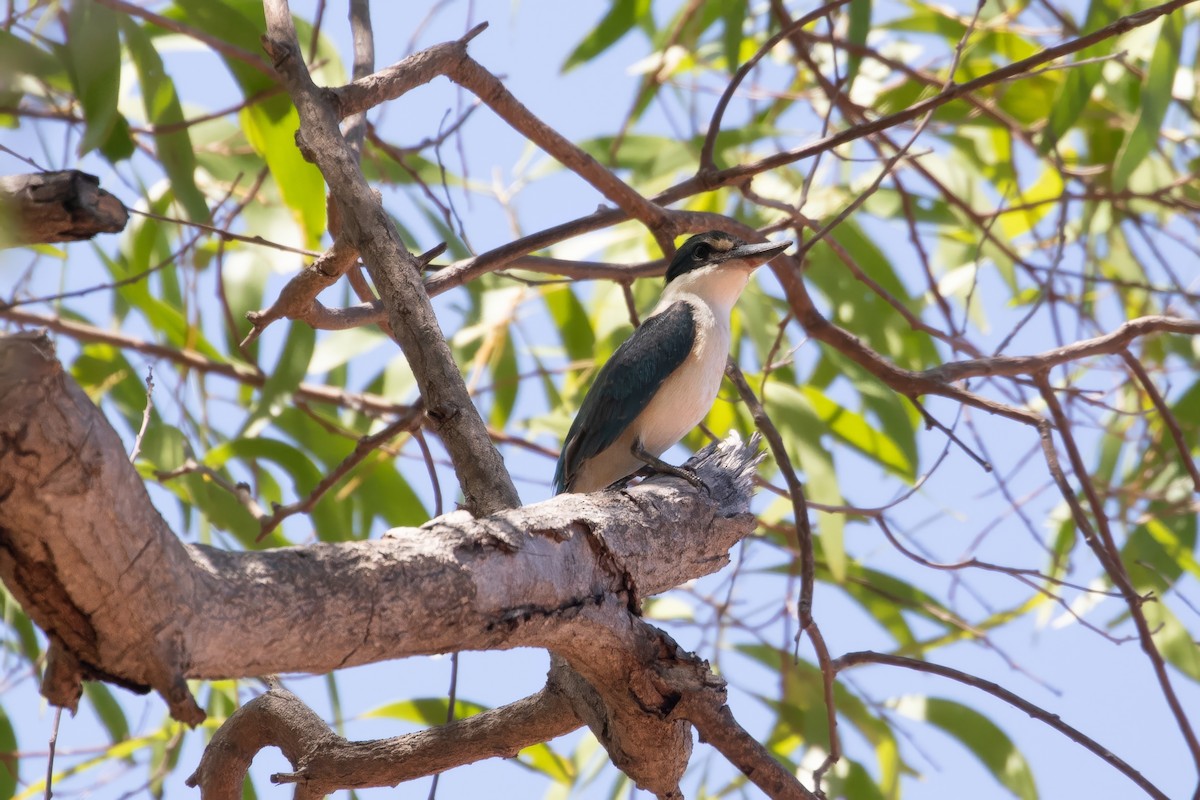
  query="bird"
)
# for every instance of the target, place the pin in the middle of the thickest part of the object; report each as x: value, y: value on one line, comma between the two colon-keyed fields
x: 663, y: 379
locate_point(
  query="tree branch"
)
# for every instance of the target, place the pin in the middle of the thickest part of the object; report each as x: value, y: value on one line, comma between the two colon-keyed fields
x: 485, y: 482
x: 190, y: 359
x: 324, y: 762
x: 1038, y: 713
x: 1109, y: 344
x: 48, y: 207
x: 97, y: 568
x: 451, y: 60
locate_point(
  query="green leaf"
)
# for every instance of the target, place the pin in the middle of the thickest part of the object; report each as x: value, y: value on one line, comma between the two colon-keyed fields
x: 1035, y: 203
x: 19, y: 57
x: 432, y: 711
x: 238, y: 23
x: 981, y: 736
x: 425, y: 710
x: 886, y: 598
x: 8, y: 764
x: 304, y: 474
x: 619, y: 21
x: 174, y: 148
x: 853, y: 429
x: 802, y: 717
x: 288, y: 372
x: 1075, y: 91
x: 1174, y: 640
x: 571, y: 320
x: 24, y: 638
x: 542, y: 758
x: 94, y: 63
x: 1154, y: 102
x: 270, y: 124
x: 273, y: 136
x: 221, y: 509
x: 505, y: 382
x: 796, y: 419
x: 1159, y: 551
x: 859, y: 308
x: 733, y: 21
x: 860, y: 26
x: 111, y: 715
x: 164, y: 447
x: 383, y: 492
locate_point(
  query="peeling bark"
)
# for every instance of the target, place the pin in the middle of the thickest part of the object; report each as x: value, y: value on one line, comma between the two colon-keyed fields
x: 123, y: 600
x: 48, y: 207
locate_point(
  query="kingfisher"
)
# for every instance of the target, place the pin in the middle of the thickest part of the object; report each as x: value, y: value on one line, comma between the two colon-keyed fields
x: 663, y: 379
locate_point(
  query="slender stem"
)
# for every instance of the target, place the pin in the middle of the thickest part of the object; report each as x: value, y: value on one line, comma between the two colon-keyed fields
x: 867, y: 657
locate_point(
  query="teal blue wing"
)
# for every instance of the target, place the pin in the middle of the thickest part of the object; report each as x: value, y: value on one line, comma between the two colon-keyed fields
x: 624, y: 387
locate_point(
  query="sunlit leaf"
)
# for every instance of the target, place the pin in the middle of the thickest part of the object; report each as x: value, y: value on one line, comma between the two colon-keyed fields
x: 273, y: 136
x: 802, y: 429
x: 733, y: 19
x: 1174, y: 640
x: 859, y: 12
x: 982, y: 737
x: 1080, y: 80
x: 620, y: 20
x: 425, y: 710
x: 174, y: 147
x: 1154, y: 100
x: 853, y: 429
x: 20, y: 57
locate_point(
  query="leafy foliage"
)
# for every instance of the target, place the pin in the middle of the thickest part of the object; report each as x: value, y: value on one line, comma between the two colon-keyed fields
x: 1027, y: 214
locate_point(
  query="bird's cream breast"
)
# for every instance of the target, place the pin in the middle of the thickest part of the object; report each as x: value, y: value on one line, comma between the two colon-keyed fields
x: 688, y: 393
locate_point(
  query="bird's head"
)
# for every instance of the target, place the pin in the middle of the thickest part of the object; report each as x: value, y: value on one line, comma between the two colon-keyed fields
x: 718, y: 250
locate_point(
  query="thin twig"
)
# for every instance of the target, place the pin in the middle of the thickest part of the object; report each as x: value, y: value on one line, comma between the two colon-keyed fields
x: 365, y: 446
x: 1168, y: 418
x: 1100, y: 538
x: 190, y: 359
x: 137, y: 442
x: 453, y: 698
x: 866, y: 657
x: 50, y: 757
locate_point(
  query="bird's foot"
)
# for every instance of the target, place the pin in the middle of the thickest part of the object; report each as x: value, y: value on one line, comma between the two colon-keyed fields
x: 688, y: 475
x: 656, y: 464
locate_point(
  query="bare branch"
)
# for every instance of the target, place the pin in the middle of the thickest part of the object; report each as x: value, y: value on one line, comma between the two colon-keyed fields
x: 190, y: 359
x: 1098, y: 535
x: 297, y: 299
x: 1108, y: 344
x: 451, y: 59
x: 486, y: 484
x: 323, y: 762
x: 866, y: 657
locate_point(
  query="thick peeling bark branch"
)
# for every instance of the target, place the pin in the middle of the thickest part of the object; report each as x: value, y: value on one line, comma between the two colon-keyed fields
x: 48, y: 207
x: 122, y: 599
x: 661, y: 689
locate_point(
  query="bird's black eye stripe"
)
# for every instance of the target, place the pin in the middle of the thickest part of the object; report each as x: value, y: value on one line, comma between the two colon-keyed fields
x: 701, y: 252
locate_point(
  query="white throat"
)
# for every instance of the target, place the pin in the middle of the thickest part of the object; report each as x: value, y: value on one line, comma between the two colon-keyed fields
x: 718, y: 287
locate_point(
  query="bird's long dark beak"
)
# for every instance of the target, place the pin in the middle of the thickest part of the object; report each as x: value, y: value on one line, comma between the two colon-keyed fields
x: 754, y: 255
